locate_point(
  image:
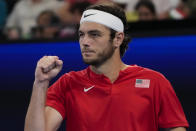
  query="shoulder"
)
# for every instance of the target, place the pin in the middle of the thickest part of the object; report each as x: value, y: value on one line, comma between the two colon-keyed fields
x: 69, y: 78
x: 156, y: 78
x: 75, y: 75
x: 21, y: 3
x: 151, y: 73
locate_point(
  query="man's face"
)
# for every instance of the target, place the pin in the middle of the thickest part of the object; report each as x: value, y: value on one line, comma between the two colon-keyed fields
x: 95, y: 44
x: 145, y: 14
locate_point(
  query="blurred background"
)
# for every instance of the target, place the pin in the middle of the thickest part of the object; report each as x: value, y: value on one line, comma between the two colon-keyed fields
x: 163, y: 36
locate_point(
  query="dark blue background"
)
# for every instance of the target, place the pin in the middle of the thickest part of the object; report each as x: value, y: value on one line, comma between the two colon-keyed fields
x: 173, y: 56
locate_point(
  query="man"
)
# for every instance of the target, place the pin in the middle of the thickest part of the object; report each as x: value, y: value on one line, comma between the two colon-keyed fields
x: 107, y: 96
x: 146, y: 10
x: 25, y: 13
x: 77, y: 9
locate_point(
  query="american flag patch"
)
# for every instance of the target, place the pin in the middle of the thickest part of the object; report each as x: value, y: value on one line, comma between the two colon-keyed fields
x: 142, y: 83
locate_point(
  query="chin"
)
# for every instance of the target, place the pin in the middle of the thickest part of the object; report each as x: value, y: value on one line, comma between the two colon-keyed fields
x: 90, y: 61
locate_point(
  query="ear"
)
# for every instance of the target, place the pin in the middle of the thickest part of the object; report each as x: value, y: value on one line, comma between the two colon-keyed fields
x: 119, y: 37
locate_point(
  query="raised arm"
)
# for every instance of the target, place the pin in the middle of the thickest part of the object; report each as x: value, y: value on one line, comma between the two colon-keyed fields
x: 176, y: 129
x: 39, y: 117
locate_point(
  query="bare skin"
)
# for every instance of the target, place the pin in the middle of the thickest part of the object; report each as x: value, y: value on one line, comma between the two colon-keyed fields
x: 95, y: 45
x: 176, y: 129
x: 39, y: 117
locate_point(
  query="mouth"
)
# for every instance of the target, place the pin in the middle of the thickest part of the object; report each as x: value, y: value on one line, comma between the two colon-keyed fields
x: 88, y: 51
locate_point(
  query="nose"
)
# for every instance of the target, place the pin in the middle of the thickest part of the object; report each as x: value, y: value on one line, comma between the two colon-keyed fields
x: 85, y: 40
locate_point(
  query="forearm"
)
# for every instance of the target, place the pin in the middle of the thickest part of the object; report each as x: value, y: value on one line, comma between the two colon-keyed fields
x: 176, y: 129
x: 35, y: 119
x: 47, y: 68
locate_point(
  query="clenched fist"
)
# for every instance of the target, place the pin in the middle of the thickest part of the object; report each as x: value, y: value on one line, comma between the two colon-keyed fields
x: 47, y: 68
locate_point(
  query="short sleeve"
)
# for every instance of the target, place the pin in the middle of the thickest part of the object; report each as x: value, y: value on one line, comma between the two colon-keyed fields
x: 56, y: 95
x: 170, y: 112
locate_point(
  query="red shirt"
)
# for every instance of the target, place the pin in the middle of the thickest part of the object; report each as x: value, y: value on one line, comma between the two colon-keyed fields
x: 139, y: 100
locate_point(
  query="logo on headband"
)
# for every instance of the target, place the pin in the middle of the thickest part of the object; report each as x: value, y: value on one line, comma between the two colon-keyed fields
x: 88, y: 15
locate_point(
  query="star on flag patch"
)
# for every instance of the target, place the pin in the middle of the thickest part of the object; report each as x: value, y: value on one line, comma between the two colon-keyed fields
x: 142, y: 83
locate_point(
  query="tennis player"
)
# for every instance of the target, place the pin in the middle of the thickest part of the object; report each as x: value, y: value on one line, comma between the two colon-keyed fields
x: 109, y: 95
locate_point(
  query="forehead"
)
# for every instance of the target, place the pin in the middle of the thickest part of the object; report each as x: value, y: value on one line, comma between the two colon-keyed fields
x: 87, y: 26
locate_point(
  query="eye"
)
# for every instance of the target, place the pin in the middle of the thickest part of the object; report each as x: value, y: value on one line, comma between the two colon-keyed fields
x: 94, y: 34
x: 80, y: 34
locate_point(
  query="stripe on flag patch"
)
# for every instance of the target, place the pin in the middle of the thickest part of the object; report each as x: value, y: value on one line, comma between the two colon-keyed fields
x: 142, y: 83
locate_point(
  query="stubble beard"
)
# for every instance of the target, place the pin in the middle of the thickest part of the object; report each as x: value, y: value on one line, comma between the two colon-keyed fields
x: 102, y: 57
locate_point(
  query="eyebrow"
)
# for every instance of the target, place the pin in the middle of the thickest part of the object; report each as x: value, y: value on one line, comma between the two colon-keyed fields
x: 91, y: 31
x: 79, y: 31
x: 94, y: 31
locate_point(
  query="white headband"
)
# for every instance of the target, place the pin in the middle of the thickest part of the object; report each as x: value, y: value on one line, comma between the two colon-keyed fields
x: 103, y: 18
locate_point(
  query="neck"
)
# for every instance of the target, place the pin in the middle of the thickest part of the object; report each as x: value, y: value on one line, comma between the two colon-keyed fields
x: 110, y: 68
